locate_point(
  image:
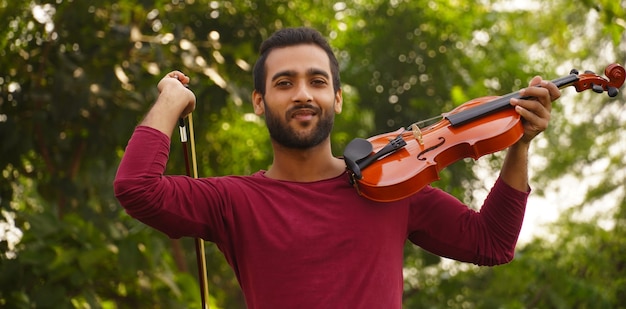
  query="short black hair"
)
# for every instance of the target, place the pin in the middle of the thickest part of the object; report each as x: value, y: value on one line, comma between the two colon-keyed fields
x: 290, y: 37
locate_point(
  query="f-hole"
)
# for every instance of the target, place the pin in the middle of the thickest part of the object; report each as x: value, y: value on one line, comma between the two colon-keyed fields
x: 429, y: 149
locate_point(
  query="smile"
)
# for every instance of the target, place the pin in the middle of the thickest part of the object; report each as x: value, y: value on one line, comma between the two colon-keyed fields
x: 303, y: 113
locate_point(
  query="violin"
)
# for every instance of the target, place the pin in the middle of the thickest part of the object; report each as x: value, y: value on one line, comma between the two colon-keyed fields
x: 394, y: 165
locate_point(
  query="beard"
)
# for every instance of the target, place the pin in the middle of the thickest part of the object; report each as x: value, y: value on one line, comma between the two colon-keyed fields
x: 286, y: 136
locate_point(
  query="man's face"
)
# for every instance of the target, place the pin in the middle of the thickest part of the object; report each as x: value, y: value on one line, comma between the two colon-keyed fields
x: 299, y: 102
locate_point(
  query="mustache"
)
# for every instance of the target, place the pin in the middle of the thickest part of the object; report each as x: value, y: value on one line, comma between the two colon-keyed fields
x: 298, y: 107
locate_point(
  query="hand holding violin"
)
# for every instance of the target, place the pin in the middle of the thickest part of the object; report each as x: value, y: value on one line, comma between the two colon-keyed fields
x: 536, y: 109
x: 535, y: 113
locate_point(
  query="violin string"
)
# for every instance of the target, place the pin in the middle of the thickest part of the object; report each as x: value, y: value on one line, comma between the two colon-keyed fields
x: 422, y: 123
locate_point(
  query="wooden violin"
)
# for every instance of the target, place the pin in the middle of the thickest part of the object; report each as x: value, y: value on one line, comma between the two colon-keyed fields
x: 394, y: 165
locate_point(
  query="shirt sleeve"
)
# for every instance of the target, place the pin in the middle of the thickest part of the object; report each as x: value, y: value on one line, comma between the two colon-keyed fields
x: 441, y: 224
x: 174, y: 205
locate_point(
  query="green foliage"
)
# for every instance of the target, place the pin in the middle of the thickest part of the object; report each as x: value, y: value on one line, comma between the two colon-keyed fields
x: 77, y: 76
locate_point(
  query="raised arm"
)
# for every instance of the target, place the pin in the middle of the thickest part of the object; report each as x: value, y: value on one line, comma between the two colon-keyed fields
x: 536, y: 116
x: 140, y: 186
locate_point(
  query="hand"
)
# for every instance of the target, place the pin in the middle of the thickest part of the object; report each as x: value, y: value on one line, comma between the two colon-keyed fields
x: 174, y: 86
x: 535, y: 110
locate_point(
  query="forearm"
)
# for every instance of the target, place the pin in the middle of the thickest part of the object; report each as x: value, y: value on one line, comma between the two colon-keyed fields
x: 514, y: 170
x: 163, y: 115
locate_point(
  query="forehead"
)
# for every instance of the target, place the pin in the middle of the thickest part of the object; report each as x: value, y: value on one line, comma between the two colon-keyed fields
x: 297, y: 58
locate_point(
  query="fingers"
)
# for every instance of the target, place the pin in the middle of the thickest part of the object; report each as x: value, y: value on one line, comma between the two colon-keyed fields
x: 540, y: 91
x: 184, y: 79
x: 171, y: 76
x: 537, y: 86
x: 535, y: 105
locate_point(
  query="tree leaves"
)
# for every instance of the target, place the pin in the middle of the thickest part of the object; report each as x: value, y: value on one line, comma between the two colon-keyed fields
x: 78, y: 76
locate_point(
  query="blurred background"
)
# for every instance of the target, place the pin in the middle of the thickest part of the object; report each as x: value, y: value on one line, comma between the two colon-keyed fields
x: 77, y: 76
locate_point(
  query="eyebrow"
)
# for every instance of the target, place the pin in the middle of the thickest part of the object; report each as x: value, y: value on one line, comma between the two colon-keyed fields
x: 292, y: 73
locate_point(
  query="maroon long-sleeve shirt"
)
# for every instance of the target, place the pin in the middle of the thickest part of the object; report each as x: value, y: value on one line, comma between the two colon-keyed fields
x: 315, y: 244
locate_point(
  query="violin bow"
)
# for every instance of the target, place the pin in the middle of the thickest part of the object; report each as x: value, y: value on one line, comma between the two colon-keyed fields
x: 199, y: 243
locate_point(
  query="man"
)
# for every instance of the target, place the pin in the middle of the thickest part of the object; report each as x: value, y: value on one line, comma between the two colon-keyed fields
x: 298, y: 235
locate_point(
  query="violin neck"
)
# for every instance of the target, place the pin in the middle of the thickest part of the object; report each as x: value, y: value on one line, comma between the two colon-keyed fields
x: 501, y: 103
x: 566, y: 81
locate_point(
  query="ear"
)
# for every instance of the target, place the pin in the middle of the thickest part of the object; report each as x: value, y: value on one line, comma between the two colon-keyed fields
x: 338, y: 101
x: 257, y: 103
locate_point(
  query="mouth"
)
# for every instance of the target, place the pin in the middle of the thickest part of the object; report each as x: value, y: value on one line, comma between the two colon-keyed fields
x: 303, y: 113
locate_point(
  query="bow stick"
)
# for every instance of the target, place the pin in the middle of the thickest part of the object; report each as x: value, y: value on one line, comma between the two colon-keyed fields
x: 200, y: 255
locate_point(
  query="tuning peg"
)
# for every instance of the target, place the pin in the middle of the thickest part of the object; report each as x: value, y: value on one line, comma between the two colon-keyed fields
x: 612, y: 91
x: 597, y: 88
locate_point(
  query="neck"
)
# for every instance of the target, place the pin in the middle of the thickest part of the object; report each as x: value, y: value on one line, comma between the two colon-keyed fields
x: 305, y: 165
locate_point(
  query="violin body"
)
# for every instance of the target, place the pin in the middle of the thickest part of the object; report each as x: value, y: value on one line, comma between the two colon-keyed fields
x: 418, y: 164
x: 395, y: 165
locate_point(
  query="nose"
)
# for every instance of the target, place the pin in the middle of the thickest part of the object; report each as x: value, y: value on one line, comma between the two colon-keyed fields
x: 302, y: 94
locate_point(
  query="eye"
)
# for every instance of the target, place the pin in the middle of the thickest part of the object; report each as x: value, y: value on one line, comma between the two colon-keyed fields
x: 283, y: 83
x: 319, y: 82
